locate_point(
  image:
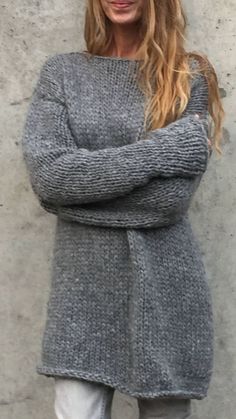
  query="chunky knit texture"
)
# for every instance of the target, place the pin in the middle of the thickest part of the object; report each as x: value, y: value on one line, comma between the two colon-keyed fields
x: 129, y: 304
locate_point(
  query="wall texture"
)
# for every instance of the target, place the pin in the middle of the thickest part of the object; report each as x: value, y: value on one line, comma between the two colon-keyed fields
x: 32, y: 30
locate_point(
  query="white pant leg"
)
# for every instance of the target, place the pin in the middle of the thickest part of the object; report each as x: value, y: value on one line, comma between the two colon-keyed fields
x: 81, y: 399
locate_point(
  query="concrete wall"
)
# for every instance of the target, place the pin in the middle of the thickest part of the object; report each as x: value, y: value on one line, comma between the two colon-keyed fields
x: 31, y: 30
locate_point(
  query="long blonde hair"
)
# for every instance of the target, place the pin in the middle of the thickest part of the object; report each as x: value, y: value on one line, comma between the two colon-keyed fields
x: 165, y: 62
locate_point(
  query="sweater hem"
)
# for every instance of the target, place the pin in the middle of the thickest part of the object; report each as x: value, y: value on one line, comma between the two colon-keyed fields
x: 99, y: 378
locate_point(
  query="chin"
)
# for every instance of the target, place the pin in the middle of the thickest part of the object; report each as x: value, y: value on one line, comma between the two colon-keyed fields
x: 121, y: 21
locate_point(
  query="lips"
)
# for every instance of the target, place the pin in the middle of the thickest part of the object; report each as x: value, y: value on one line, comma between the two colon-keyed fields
x: 122, y: 3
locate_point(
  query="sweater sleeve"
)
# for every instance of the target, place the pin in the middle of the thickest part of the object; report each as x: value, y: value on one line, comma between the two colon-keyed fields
x: 62, y: 173
x: 163, y: 202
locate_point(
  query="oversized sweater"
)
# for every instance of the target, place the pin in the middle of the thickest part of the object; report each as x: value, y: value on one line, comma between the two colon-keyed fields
x: 129, y: 304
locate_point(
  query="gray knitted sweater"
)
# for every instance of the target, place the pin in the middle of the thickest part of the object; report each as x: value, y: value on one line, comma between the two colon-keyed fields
x: 129, y: 304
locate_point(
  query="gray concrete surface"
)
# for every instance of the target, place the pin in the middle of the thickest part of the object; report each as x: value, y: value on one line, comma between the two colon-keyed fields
x: 31, y: 30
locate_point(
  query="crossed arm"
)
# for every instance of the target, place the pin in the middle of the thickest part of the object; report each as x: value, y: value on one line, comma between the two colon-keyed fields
x: 162, y: 171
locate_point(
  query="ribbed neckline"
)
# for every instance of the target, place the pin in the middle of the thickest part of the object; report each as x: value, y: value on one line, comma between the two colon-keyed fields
x: 113, y: 58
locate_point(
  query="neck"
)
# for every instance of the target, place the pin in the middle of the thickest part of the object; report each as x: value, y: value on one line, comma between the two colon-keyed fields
x: 124, y: 40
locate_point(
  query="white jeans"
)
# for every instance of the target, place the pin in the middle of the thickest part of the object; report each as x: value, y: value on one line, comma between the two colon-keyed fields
x: 81, y: 399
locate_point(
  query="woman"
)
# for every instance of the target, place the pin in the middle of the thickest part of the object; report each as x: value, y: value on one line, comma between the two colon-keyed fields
x: 116, y: 143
